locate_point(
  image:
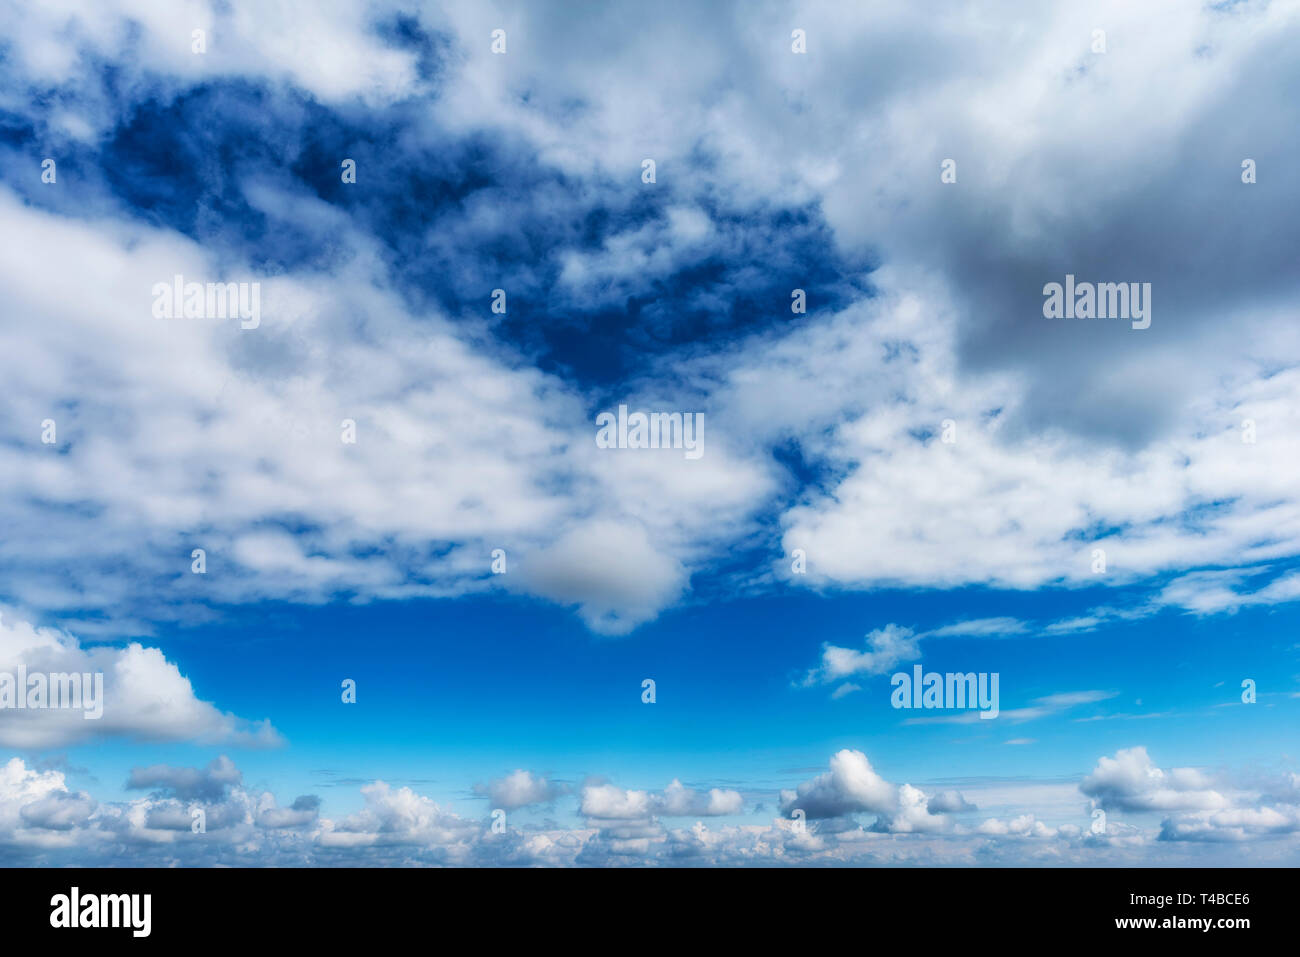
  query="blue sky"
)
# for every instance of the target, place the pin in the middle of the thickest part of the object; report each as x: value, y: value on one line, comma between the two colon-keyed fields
x: 921, y: 469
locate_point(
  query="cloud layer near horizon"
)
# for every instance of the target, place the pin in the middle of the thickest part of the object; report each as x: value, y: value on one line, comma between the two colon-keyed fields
x: 42, y: 821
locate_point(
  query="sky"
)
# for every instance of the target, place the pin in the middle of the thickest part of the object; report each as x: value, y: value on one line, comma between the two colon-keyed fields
x: 371, y: 581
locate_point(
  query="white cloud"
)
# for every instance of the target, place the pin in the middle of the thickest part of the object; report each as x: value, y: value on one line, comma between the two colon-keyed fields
x: 1043, y: 707
x: 334, y: 53
x: 42, y: 820
x: 1131, y: 781
x: 399, y: 816
x: 886, y: 647
x: 949, y: 802
x: 851, y: 786
x: 611, y: 571
x: 519, y: 789
x: 1232, y: 825
x: 455, y: 448
x: 607, y: 802
x: 680, y: 801
x: 1026, y: 825
x: 145, y: 696
x: 461, y: 450
x: 1210, y: 592
x: 980, y: 628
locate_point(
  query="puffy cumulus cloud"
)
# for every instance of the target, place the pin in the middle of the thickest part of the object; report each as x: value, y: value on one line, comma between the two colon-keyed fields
x: 852, y: 786
x: 950, y: 802
x: 679, y: 801
x: 187, y: 783
x: 303, y: 812
x: 603, y: 801
x: 398, y: 817
x: 59, y: 811
x: 198, y: 811
x: 1026, y: 825
x: 400, y: 826
x: 1233, y: 825
x: 1198, y: 809
x: 520, y: 788
x: 193, y: 816
x: 607, y: 801
x: 611, y: 571
x: 43, y: 821
x: 916, y: 813
x: 627, y: 829
x: 36, y: 808
x: 143, y: 695
x: 1130, y: 781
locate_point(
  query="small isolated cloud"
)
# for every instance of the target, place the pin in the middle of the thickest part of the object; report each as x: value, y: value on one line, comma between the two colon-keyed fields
x: 611, y: 571
x: 980, y: 628
x: 1050, y: 704
x: 519, y: 789
x: 609, y: 802
x: 681, y: 801
x: 886, y: 647
x: 1071, y: 626
x: 1038, y: 708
